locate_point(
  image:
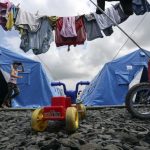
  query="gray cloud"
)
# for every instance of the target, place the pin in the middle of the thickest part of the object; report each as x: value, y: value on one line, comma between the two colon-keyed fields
x: 82, y: 62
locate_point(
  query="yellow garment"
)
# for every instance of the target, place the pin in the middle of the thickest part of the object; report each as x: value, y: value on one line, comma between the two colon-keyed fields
x: 10, y: 21
x: 53, y: 20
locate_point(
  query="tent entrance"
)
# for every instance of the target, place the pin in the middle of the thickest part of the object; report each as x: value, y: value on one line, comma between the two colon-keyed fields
x: 3, y: 87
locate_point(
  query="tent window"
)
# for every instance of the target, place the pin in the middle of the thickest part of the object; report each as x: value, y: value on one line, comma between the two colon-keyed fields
x: 122, y: 78
x: 25, y: 79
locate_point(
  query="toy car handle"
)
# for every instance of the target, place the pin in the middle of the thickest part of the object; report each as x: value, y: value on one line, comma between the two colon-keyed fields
x: 81, y: 83
x: 59, y: 84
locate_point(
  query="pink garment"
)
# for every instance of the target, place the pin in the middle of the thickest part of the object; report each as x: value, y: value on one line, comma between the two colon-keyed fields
x: 68, y: 28
x: 9, y: 4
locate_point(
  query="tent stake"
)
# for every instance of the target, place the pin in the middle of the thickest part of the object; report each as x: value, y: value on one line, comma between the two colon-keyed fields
x: 121, y: 29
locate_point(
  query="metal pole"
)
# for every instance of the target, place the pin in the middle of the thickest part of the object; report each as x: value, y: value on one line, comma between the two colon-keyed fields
x: 120, y: 29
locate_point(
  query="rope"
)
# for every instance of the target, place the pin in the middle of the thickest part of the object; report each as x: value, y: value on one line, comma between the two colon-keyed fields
x: 140, y: 22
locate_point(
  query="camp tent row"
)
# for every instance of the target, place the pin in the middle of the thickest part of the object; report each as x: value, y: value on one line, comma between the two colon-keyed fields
x: 111, y: 84
x: 35, y: 88
x: 109, y: 87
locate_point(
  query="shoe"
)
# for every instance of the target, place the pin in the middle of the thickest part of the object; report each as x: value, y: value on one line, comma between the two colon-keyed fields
x: 4, y: 106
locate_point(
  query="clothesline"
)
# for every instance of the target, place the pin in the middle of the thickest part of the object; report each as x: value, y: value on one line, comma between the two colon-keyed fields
x: 37, y: 31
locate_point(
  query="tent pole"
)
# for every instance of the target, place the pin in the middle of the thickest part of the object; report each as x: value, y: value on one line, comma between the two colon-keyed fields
x: 121, y: 29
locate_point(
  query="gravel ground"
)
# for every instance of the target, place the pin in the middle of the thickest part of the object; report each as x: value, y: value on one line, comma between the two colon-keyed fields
x: 105, y: 129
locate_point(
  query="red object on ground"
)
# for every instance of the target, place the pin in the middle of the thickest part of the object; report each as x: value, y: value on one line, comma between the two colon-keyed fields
x: 57, y: 110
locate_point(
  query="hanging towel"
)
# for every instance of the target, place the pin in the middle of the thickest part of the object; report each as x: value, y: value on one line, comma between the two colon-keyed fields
x: 68, y: 27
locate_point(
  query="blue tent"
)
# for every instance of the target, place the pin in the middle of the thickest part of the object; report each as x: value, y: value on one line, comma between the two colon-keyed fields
x: 35, y: 89
x: 111, y: 84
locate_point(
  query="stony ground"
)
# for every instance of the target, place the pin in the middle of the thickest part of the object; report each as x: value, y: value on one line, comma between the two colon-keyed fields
x: 105, y: 129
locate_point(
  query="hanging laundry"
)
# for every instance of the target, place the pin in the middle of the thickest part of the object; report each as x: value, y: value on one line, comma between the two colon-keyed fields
x: 3, y: 13
x: 101, y: 4
x: 68, y: 27
x: 140, y: 7
x: 122, y: 15
x: 9, y: 4
x: 40, y: 40
x: 92, y: 28
x: 6, y: 13
x: 15, y: 11
x: 3, y: 9
x: 10, y: 20
x: 79, y: 39
x: 3, y: 22
x: 104, y: 22
x: 108, y: 31
x: 126, y: 5
x: 53, y: 20
x: 26, y: 18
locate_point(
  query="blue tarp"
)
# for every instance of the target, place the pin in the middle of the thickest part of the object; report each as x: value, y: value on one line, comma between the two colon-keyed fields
x: 35, y: 89
x: 111, y: 84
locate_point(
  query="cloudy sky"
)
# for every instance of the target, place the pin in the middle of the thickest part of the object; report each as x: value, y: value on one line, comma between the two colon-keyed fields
x: 82, y: 62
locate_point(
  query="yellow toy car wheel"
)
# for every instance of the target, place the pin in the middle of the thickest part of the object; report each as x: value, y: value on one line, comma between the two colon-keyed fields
x: 36, y: 122
x: 72, y: 119
x: 81, y: 110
